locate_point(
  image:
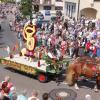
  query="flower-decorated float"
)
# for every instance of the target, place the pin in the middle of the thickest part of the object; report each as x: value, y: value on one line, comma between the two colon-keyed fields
x: 32, y: 59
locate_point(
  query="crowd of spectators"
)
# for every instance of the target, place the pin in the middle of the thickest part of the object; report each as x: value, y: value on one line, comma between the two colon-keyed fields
x: 8, y: 92
x: 60, y: 37
x: 66, y: 37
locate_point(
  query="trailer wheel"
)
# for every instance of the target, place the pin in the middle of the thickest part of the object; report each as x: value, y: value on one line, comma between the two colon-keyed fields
x: 42, y: 78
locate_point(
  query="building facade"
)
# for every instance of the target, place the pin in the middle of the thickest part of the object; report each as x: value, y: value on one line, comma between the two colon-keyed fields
x: 69, y: 8
x: 48, y: 7
x: 88, y: 8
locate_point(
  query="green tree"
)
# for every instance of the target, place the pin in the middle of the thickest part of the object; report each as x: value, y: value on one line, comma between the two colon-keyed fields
x: 8, y: 1
x: 26, y: 8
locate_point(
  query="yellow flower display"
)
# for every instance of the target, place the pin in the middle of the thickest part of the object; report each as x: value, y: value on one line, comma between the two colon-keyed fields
x: 28, y: 34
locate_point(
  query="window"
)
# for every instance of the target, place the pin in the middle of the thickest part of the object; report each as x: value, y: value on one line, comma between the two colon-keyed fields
x: 36, y: 8
x: 58, y: 8
x: 59, y: 0
x: 36, y: 1
x: 47, y: 7
x: 47, y: 1
x: 70, y: 9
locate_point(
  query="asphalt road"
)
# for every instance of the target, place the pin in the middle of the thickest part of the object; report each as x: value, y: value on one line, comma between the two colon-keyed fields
x: 7, y: 37
x: 24, y: 82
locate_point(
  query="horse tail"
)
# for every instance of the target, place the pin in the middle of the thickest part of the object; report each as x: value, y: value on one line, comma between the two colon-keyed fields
x: 70, y: 74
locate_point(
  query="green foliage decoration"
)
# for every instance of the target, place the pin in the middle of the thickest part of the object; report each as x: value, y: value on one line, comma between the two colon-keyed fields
x: 54, y: 64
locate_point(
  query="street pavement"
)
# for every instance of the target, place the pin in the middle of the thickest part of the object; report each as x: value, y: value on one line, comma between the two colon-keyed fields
x: 7, y: 37
x: 25, y: 82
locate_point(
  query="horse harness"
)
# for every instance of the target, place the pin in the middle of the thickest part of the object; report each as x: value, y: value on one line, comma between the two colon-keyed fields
x: 95, y: 70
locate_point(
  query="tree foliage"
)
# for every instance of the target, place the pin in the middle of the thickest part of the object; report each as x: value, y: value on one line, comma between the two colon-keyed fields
x: 8, y: 1
x: 26, y: 7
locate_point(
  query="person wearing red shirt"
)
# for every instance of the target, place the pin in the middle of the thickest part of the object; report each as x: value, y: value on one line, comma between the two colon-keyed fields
x: 87, y: 47
x: 63, y: 47
x: 93, y: 50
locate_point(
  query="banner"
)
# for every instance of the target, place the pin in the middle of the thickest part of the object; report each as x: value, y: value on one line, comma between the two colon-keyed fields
x: 47, y: 13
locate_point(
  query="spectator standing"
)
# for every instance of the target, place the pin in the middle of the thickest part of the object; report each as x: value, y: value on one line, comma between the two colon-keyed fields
x: 71, y: 48
x: 22, y: 96
x: 92, y: 51
x: 76, y: 49
x: 66, y: 24
x: 6, y: 92
x: 63, y: 47
x: 34, y: 96
x: 45, y: 96
x: 10, y: 25
x: 20, y: 38
x: 12, y: 95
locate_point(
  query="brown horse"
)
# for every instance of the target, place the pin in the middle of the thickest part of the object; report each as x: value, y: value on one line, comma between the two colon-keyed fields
x: 86, y: 66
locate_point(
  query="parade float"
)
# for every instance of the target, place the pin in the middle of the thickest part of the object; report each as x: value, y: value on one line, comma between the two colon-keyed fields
x: 34, y: 60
